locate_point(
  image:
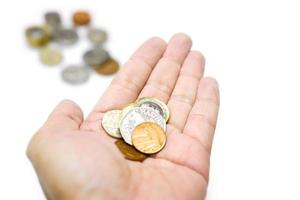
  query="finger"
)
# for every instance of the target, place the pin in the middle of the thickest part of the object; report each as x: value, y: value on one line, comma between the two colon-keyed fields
x: 129, y: 81
x: 185, y: 91
x: 189, y: 149
x: 66, y: 116
x: 202, y: 120
x: 163, y: 78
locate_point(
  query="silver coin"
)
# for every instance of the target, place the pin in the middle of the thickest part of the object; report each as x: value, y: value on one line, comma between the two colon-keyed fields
x: 76, y: 74
x: 66, y: 36
x: 95, y: 57
x: 136, y: 116
x: 53, y: 19
x: 153, y: 105
x: 97, y: 36
x: 156, y: 104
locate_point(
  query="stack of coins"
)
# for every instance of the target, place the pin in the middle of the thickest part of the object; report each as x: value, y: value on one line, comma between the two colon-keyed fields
x: 95, y: 59
x: 140, y: 127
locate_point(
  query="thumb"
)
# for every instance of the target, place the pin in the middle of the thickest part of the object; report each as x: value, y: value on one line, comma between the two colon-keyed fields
x: 67, y: 115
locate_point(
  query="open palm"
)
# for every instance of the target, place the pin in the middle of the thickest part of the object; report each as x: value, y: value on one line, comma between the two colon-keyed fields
x: 75, y: 159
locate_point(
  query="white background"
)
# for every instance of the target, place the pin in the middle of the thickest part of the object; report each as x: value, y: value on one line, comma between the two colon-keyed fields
x: 251, y: 47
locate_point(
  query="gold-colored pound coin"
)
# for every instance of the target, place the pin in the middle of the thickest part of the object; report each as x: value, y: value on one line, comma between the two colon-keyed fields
x: 111, y: 122
x: 156, y: 104
x: 129, y: 151
x: 148, y: 138
x: 37, y: 36
x: 108, y: 68
x: 50, y: 56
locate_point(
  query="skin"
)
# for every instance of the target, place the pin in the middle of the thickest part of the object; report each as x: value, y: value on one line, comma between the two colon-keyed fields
x: 75, y: 159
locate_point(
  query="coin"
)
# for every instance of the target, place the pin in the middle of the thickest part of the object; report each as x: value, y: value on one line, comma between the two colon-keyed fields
x: 97, y: 36
x: 50, y: 56
x: 107, y: 68
x: 129, y: 151
x: 148, y: 138
x: 66, y: 36
x: 81, y: 18
x: 126, y: 109
x: 111, y: 122
x: 156, y: 104
x: 36, y: 36
x: 76, y: 74
x: 53, y: 19
x: 95, y: 57
x: 49, y: 30
x: 136, y: 116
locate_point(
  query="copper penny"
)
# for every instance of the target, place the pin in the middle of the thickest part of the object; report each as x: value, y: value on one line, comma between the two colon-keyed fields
x: 129, y: 152
x: 108, y: 68
x: 148, y: 138
x: 81, y: 18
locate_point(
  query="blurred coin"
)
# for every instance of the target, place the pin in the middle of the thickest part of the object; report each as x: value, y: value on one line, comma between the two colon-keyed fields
x: 111, y: 122
x: 53, y: 19
x: 81, y: 18
x: 97, y: 36
x: 66, y: 36
x: 50, y: 56
x: 36, y: 36
x: 129, y: 152
x: 136, y: 116
x: 156, y: 104
x: 148, y: 138
x: 76, y: 74
x: 49, y: 30
x: 95, y: 57
x: 108, y: 68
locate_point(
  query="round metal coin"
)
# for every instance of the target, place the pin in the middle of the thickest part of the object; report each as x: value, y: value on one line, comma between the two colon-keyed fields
x: 37, y: 36
x: 81, y: 18
x: 53, y: 19
x: 136, y: 116
x: 76, y: 74
x: 148, y: 138
x: 97, y: 36
x: 66, y: 36
x: 49, y: 30
x: 95, y: 57
x: 156, y: 104
x: 50, y: 56
x: 126, y: 109
x: 107, y: 68
x: 111, y: 122
x: 129, y: 152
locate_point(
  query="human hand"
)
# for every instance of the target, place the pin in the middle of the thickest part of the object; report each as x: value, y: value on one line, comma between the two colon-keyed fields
x: 75, y: 159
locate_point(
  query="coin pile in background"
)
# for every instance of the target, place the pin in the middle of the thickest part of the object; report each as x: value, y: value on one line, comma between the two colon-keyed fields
x: 140, y: 127
x: 54, y: 32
